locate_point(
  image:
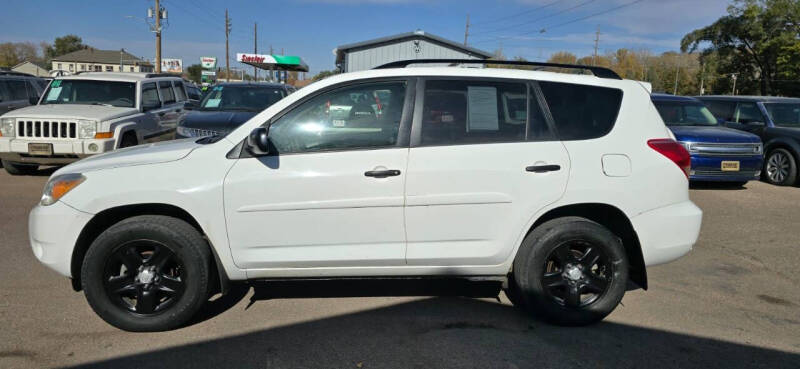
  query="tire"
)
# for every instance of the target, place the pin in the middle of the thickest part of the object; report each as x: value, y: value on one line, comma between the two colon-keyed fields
x: 128, y: 140
x: 578, y: 255
x: 171, y: 256
x: 780, y: 168
x: 16, y: 169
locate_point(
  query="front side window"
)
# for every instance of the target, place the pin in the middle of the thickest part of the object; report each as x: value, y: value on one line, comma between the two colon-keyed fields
x: 4, y: 93
x: 683, y: 114
x: 242, y: 97
x: 747, y: 113
x: 180, y: 94
x: 466, y: 112
x: 91, y: 92
x: 17, y: 89
x: 357, y: 117
x: 783, y: 114
x: 150, y: 95
x: 167, y: 94
x: 582, y: 112
x: 721, y: 109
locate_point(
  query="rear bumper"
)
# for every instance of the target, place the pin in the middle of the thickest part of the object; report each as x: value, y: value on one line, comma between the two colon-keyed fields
x: 709, y: 168
x: 669, y: 232
x: 53, y: 232
x: 64, y: 152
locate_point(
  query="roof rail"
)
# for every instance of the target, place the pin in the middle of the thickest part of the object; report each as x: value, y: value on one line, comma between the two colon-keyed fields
x: 154, y: 75
x: 600, y: 72
x: 12, y: 73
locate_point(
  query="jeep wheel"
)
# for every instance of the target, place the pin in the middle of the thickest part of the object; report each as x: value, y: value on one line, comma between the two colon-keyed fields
x: 780, y: 168
x: 128, y: 140
x: 571, y: 271
x: 147, y: 273
x: 16, y: 169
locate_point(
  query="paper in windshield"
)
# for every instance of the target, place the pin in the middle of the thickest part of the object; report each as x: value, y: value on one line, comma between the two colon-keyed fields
x: 482, y: 109
x: 53, y: 94
x: 212, y: 103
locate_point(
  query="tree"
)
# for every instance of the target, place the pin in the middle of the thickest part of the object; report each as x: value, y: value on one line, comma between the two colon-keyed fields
x: 324, y: 74
x: 753, y: 41
x: 563, y: 57
x: 13, y: 53
x: 195, y: 72
x: 64, y: 45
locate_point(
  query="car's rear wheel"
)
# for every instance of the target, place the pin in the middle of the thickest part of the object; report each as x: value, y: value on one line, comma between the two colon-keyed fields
x: 147, y: 273
x: 780, y: 168
x: 571, y: 271
x: 17, y: 169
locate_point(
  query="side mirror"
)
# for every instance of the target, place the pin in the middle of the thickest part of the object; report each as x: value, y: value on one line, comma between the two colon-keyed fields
x: 33, y: 100
x: 257, y: 143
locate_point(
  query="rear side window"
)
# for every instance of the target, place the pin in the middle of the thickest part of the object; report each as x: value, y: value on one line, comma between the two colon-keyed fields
x: 17, y: 89
x: 466, y: 112
x: 166, y: 92
x: 180, y: 93
x: 581, y: 112
x: 748, y: 113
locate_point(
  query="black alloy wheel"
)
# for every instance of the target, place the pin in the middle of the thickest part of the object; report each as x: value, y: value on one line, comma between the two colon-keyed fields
x: 576, y: 274
x: 144, y: 277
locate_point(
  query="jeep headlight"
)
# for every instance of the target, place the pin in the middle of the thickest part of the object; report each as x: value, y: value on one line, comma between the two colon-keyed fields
x: 58, y: 186
x: 87, y: 128
x: 7, y: 127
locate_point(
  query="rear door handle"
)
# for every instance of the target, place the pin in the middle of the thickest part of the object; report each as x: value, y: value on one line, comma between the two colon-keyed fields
x: 543, y: 168
x: 382, y: 173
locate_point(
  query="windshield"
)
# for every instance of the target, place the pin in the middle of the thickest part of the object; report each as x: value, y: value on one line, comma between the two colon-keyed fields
x: 784, y: 114
x: 90, y: 92
x: 683, y: 114
x: 244, y: 98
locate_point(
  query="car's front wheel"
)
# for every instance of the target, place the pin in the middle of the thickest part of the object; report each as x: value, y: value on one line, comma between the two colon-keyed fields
x: 571, y: 271
x: 147, y: 273
x: 780, y: 168
x: 17, y: 169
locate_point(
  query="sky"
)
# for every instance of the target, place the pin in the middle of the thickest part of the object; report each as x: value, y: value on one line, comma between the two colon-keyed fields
x: 312, y: 29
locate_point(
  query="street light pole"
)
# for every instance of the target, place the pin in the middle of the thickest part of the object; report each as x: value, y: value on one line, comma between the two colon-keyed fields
x: 158, y: 36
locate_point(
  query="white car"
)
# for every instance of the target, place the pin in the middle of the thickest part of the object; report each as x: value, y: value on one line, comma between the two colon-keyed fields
x: 563, y: 200
x: 91, y: 113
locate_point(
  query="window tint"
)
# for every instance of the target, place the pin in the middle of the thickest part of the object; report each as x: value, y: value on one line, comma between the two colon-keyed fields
x: 17, y: 89
x: 167, y: 96
x: 149, y: 95
x: 748, y: 113
x: 363, y: 116
x: 721, y: 109
x: 463, y: 112
x: 179, y: 91
x: 32, y: 91
x: 4, y: 94
x: 581, y: 112
x: 194, y: 93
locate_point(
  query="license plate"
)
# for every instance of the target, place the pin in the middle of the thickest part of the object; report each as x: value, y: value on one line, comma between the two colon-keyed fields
x: 40, y: 149
x: 730, y: 166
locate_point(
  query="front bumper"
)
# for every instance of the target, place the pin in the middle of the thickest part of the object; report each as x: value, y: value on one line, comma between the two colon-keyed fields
x: 709, y: 168
x: 668, y: 233
x: 53, y: 231
x: 64, y: 152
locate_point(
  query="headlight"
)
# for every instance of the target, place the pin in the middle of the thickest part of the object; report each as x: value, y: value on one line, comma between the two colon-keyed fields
x: 58, y: 186
x: 185, y: 132
x: 7, y: 127
x: 87, y: 128
x: 758, y: 149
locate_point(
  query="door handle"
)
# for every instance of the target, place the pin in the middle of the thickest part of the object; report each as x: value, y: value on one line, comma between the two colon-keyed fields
x: 179, y: 110
x: 162, y: 114
x: 382, y: 173
x: 543, y: 168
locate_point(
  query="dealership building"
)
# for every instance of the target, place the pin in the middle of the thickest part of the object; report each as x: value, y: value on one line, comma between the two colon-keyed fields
x: 412, y: 45
x: 94, y: 60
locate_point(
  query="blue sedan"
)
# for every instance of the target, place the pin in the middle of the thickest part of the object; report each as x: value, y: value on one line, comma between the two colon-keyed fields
x: 718, y: 153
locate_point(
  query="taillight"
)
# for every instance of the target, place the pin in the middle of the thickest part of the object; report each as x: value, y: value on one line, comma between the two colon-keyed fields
x: 673, y: 151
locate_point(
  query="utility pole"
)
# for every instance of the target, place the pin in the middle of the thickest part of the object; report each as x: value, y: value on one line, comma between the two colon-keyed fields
x: 255, y: 48
x: 733, y: 91
x: 466, y: 31
x: 271, y: 71
x: 677, y: 69
x: 702, y: 79
x: 227, y: 55
x: 596, y: 42
x: 157, y: 13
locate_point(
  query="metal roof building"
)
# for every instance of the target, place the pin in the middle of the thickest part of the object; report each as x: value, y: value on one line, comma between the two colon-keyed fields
x: 411, y: 45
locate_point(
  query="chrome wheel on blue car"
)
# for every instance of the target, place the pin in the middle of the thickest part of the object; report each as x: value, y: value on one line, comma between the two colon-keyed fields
x: 780, y: 168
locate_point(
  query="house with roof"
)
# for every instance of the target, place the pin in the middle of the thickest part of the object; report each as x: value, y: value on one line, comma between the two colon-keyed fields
x: 94, y: 60
x: 411, y: 45
x: 30, y: 68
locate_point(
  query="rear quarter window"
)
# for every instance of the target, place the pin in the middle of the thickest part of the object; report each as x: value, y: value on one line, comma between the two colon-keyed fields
x: 581, y: 112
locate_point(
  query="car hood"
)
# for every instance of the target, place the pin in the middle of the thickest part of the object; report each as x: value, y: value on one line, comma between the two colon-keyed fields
x: 712, y: 134
x: 74, y: 111
x: 222, y: 121
x: 160, y: 152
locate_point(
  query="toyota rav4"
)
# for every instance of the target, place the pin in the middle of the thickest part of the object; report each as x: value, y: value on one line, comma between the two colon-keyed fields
x: 560, y: 187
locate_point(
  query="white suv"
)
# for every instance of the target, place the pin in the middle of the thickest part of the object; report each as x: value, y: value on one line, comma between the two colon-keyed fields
x: 91, y: 113
x: 560, y: 187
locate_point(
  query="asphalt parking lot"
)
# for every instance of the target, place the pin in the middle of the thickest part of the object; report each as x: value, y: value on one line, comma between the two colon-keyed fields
x: 733, y: 302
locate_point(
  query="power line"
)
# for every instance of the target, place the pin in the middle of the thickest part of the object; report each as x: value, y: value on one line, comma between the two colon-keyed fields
x: 590, y: 15
x: 536, y: 20
x: 518, y: 14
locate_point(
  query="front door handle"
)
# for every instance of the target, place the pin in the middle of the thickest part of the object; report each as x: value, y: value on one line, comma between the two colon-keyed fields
x: 543, y: 168
x: 162, y: 114
x: 382, y: 173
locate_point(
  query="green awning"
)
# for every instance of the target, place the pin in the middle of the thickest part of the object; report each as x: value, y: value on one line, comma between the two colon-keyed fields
x: 275, y: 62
